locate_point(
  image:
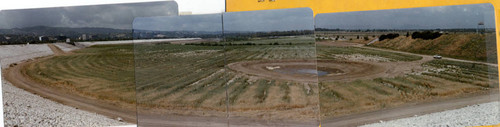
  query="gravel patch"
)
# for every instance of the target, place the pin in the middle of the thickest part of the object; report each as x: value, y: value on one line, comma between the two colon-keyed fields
x: 22, y: 108
x: 15, y: 53
x: 475, y: 115
x: 87, y: 44
x: 25, y: 109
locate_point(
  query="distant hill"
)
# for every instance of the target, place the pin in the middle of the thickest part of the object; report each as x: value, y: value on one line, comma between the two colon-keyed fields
x: 32, y: 34
x: 148, y: 34
x: 55, y: 31
x: 144, y: 34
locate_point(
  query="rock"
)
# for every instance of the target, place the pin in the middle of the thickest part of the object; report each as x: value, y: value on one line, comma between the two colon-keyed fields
x: 119, y: 119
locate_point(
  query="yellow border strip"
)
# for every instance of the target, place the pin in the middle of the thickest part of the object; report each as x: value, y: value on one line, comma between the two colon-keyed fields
x: 331, y: 6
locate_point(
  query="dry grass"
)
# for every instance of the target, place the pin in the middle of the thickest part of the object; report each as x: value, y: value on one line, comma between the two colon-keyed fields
x: 456, y: 79
x: 479, y: 47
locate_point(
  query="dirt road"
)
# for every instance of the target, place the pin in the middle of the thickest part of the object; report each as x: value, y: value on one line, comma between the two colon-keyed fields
x: 55, y: 49
x: 198, y: 121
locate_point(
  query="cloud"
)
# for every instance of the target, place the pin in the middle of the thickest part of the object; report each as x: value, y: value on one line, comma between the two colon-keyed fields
x: 270, y: 20
x: 118, y: 16
x: 208, y: 22
x: 461, y: 16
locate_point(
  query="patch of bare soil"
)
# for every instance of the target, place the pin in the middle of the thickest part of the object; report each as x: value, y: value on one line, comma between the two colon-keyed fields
x: 336, y: 70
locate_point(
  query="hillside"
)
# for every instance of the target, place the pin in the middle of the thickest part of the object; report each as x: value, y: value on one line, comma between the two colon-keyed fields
x: 54, y: 31
x: 477, y: 47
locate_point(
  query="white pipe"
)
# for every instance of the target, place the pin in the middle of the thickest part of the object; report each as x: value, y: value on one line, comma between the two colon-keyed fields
x: 1, y: 99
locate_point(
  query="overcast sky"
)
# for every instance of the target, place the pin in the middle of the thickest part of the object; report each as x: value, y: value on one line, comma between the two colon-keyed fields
x: 206, y: 22
x: 253, y: 21
x: 118, y: 16
x: 462, y: 16
x: 270, y: 20
x: 194, y: 6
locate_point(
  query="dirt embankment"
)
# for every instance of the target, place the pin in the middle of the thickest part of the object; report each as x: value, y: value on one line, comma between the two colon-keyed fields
x: 478, y: 47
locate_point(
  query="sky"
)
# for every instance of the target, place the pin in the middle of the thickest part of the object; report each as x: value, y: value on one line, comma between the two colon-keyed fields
x: 194, y: 6
x: 462, y: 16
x: 443, y: 17
x: 117, y: 16
x: 270, y: 20
x: 205, y: 22
x: 254, y: 21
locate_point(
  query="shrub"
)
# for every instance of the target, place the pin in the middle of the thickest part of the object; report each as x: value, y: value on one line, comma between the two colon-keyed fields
x: 426, y: 35
x: 388, y: 36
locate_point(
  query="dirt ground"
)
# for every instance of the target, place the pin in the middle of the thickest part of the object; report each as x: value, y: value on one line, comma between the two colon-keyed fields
x: 352, y: 70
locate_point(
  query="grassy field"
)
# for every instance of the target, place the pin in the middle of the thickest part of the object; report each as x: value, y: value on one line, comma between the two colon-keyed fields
x: 440, y: 78
x: 192, y: 79
x: 172, y: 78
x: 102, y: 72
x: 325, y: 52
x: 443, y: 79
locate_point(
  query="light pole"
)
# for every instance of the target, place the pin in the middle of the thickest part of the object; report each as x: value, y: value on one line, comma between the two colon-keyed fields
x: 480, y: 25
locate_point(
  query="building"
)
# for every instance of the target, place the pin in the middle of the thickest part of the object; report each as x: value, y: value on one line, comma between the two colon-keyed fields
x: 43, y: 38
x: 61, y: 38
x: 160, y: 36
x: 83, y: 37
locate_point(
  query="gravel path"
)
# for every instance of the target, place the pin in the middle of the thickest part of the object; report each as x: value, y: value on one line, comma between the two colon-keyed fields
x: 22, y: 108
x: 475, y: 115
x: 66, y: 47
